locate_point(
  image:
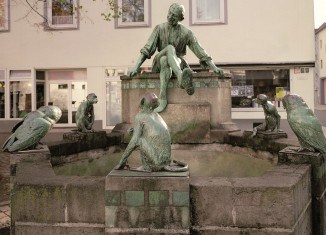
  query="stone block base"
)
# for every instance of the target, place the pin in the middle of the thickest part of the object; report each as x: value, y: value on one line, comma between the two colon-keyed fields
x: 291, y: 155
x: 97, y: 138
x: 272, y: 135
x: 149, y: 203
x: 279, y: 202
x: 23, y: 228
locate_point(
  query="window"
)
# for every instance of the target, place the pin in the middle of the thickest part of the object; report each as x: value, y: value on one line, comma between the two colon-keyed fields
x: 321, y: 64
x: 62, y: 14
x: 4, y: 15
x: 20, y: 90
x: 135, y: 13
x: 207, y: 11
x: 321, y: 43
x: 247, y: 84
x: 2, y: 93
x: 113, y: 95
x: 20, y: 98
x: 113, y: 103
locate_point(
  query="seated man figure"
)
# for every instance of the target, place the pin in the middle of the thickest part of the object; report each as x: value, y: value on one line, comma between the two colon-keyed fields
x: 171, y: 39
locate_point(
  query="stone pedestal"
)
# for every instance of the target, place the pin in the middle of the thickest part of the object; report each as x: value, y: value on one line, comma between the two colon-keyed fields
x: 276, y: 203
x: 192, y: 115
x: 271, y: 135
x: 147, y: 203
x: 290, y: 155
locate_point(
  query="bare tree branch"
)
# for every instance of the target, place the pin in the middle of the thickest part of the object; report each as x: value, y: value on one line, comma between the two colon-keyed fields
x: 33, y: 9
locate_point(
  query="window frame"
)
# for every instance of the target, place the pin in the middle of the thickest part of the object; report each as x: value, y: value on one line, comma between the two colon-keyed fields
x: 321, y: 64
x: 111, y: 74
x: 145, y: 23
x: 5, y: 28
x: 195, y: 21
x: 48, y: 13
x: 5, y: 88
x: 9, y: 79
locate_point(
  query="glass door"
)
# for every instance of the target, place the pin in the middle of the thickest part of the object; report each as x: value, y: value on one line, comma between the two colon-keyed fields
x: 67, y: 95
x: 59, y: 96
x: 78, y: 95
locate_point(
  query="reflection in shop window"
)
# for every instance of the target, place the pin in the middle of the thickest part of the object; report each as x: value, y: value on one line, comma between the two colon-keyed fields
x: 20, y: 98
x: 2, y: 99
x: 113, y: 103
x: 247, y: 84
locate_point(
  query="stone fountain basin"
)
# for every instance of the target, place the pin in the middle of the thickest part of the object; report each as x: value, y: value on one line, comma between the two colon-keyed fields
x: 204, y: 160
x: 277, y: 201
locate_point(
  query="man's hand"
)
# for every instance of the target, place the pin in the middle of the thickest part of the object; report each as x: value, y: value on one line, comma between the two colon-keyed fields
x: 219, y: 72
x: 133, y: 72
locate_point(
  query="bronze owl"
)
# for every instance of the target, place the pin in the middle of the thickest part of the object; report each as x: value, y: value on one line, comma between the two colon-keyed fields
x: 304, y: 124
x: 28, y: 132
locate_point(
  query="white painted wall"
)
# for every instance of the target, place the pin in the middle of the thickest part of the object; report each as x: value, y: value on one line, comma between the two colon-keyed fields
x: 269, y: 31
x: 321, y: 52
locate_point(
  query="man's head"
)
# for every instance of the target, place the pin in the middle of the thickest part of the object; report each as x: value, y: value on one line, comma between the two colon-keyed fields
x: 175, y: 14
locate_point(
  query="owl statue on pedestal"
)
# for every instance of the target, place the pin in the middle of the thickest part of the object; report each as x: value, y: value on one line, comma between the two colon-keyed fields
x: 304, y: 124
x: 28, y: 132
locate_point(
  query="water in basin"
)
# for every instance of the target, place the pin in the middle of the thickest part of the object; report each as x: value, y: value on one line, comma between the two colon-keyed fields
x: 201, y: 163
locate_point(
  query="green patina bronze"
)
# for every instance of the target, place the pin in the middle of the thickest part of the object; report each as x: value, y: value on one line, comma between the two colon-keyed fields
x: 28, y: 132
x: 171, y: 39
x: 85, y: 114
x: 153, y: 138
x: 126, y: 85
x: 304, y: 124
x: 272, y: 118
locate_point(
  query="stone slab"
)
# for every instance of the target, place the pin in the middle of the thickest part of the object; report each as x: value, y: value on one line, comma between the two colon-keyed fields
x: 134, y: 173
x: 271, y: 135
x: 85, y: 200
x: 59, y: 228
x: 275, y: 200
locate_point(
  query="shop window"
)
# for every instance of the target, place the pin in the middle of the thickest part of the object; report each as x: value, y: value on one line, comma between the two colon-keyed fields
x: 113, y: 103
x: 2, y: 94
x: 20, y: 98
x: 247, y: 84
x: 62, y: 14
x: 207, y: 11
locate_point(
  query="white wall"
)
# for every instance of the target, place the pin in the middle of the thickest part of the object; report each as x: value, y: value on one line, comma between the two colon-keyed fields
x: 321, y: 52
x: 269, y: 31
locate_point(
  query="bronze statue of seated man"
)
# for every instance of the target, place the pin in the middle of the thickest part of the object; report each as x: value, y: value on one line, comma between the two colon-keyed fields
x: 171, y: 39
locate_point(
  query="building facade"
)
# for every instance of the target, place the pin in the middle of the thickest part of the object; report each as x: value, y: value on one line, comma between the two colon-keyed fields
x: 57, y: 53
x: 320, y: 70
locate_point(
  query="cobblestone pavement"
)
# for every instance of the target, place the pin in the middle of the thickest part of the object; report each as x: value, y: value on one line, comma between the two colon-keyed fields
x: 4, y: 194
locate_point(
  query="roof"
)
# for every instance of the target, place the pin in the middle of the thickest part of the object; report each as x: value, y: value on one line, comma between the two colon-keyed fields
x: 323, y: 26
